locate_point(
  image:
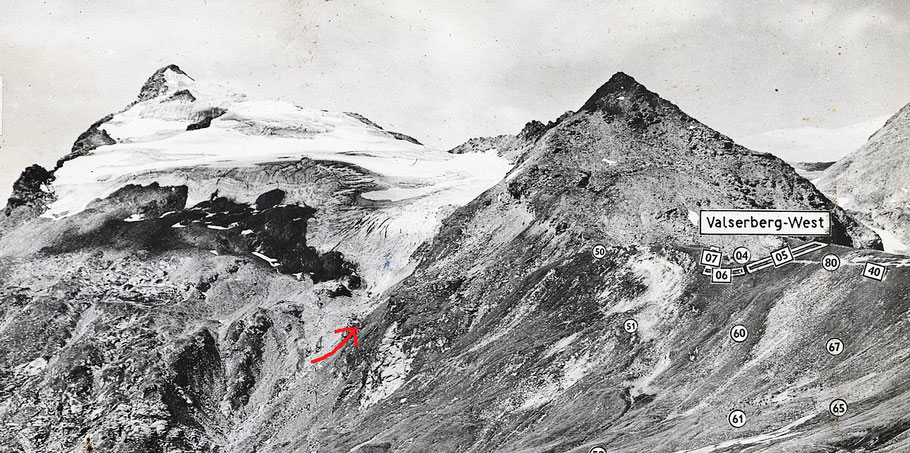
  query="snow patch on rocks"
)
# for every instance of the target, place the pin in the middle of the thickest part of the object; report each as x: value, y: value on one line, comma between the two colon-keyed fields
x: 391, y: 372
x: 663, y: 281
x: 572, y: 371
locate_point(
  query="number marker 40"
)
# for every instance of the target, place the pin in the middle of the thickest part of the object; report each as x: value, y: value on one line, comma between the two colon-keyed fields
x: 874, y: 271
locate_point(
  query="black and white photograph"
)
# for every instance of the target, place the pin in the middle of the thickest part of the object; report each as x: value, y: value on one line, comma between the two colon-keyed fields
x: 319, y: 226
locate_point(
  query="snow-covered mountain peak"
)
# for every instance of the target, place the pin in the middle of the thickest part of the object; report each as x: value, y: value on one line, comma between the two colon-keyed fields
x: 178, y: 122
x: 375, y: 194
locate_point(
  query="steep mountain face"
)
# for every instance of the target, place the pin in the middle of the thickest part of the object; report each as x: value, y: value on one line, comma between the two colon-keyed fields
x: 638, y: 170
x: 167, y: 292
x: 874, y: 181
x: 509, y: 334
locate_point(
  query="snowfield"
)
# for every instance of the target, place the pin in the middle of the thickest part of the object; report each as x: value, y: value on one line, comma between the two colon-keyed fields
x: 407, y: 188
x: 152, y: 138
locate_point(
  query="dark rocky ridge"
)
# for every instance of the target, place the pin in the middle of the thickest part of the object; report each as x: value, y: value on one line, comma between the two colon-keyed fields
x: 811, y: 166
x: 162, y: 223
x: 207, y: 116
x: 92, y: 138
x: 28, y: 189
x: 28, y: 199
x: 509, y: 146
x: 397, y: 135
x: 183, y: 95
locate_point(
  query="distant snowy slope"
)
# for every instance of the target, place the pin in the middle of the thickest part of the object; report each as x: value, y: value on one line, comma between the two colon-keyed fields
x: 813, y: 144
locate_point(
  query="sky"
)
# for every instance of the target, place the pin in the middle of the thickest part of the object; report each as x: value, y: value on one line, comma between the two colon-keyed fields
x: 780, y: 76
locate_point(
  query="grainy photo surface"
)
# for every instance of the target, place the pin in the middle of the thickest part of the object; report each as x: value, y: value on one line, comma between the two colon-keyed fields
x: 376, y: 227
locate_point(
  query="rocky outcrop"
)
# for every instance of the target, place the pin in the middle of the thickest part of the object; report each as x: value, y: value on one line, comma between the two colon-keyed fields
x: 811, y: 166
x: 510, y: 146
x: 183, y: 95
x: 31, y: 189
x: 396, y: 135
x: 88, y: 141
x: 29, y: 199
x: 246, y: 339
x: 873, y: 180
x: 206, y: 118
x: 157, y: 85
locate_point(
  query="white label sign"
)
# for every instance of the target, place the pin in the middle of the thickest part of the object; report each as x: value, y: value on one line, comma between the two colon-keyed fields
x: 710, y: 258
x: 739, y: 333
x: 874, y: 271
x: 781, y: 256
x: 765, y: 222
x: 838, y: 407
x: 721, y: 275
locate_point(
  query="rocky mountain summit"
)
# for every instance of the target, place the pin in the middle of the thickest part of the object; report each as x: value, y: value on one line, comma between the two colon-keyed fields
x: 169, y: 290
x: 642, y: 169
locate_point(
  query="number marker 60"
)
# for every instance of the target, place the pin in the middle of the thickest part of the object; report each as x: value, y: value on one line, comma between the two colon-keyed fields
x: 739, y: 333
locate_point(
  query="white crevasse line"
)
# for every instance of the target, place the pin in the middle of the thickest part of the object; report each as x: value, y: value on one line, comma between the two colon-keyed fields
x: 779, y: 434
x: 271, y: 261
x: 561, y: 345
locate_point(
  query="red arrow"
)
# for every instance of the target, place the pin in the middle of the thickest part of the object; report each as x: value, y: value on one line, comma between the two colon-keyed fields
x: 352, y: 333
